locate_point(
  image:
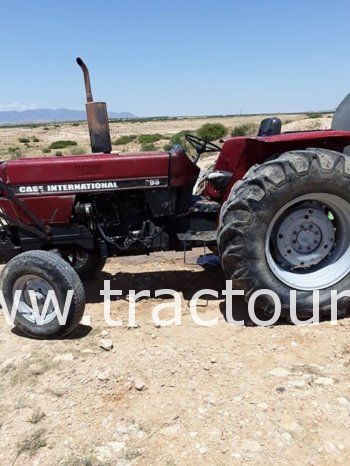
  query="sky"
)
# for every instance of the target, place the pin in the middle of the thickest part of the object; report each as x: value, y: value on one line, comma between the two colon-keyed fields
x: 176, y: 57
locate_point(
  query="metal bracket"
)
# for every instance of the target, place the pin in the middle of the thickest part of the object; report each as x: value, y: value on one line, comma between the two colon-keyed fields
x: 193, y: 263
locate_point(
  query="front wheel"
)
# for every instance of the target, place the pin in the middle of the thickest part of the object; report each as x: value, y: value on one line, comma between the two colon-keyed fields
x: 41, y: 280
x: 286, y: 227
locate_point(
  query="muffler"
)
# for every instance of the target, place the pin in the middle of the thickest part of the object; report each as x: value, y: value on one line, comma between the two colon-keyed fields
x: 97, y: 117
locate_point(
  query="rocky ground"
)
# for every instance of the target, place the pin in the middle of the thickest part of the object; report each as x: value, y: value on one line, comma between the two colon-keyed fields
x: 182, y: 395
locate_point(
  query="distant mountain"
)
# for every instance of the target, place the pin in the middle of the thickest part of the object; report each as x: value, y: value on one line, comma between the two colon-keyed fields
x: 46, y: 115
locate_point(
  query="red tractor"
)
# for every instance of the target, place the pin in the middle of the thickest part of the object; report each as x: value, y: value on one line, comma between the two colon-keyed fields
x: 276, y: 208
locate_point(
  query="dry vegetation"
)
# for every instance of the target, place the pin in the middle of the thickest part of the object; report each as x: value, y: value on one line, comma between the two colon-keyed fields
x: 72, y: 138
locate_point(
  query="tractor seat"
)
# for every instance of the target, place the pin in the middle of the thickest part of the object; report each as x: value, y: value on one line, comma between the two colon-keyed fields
x: 270, y: 127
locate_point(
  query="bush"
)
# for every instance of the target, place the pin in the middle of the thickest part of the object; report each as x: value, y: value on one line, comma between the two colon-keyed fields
x: 46, y: 150
x: 24, y: 140
x: 75, y: 123
x: 58, y: 153
x: 15, y: 152
x: 212, y: 131
x: 243, y: 130
x: 148, y: 147
x: 62, y: 144
x: 178, y: 138
x: 78, y: 150
x: 35, y: 139
x: 314, y: 115
x: 150, y: 138
x: 124, y: 140
x: 46, y: 128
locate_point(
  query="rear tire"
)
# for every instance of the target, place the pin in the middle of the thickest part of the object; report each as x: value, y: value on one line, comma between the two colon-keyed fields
x: 262, y: 243
x: 41, y: 271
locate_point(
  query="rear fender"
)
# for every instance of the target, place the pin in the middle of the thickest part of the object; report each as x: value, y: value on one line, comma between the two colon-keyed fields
x: 238, y: 155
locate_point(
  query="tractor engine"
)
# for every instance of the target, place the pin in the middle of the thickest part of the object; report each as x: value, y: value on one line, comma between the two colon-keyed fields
x: 124, y: 223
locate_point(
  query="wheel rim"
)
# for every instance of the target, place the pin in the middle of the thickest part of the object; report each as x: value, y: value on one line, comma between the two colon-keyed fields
x: 41, y: 288
x: 307, y: 242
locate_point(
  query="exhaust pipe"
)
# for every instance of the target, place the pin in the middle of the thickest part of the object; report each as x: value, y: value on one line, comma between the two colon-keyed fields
x: 97, y: 117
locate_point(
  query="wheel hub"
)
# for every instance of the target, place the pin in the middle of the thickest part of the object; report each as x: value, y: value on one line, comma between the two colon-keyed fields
x: 307, y: 237
x: 304, y: 237
x: 40, y: 288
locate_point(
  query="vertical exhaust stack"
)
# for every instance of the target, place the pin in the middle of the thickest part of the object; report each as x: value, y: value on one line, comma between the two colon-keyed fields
x: 97, y: 117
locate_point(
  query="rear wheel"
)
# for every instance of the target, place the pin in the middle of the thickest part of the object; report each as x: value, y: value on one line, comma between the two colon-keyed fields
x: 287, y: 226
x: 37, y: 275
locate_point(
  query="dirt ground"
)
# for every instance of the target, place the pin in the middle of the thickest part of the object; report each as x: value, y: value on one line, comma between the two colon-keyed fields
x: 186, y: 395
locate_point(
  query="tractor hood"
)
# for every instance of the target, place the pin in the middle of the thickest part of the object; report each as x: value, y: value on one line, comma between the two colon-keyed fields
x: 98, y: 172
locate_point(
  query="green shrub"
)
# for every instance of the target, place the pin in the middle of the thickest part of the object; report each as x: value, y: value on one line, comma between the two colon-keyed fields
x: 178, y: 138
x: 314, y: 115
x: 35, y: 139
x: 24, y: 140
x: 150, y: 138
x: 62, y: 144
x: 58, y: 153
x: 146, y: 147
x: 75, y: 123
x: 212, y: 131
x: 15, y: 152
x: 46, y: 150
x: 46, y: 128
x: 122, y: 140
x: 243, y: 130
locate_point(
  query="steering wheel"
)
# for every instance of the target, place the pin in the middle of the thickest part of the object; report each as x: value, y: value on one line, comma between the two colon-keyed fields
x: 201, y: 145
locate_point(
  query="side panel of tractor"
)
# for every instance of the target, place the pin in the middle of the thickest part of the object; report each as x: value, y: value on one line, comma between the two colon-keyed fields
x: 239, y: 154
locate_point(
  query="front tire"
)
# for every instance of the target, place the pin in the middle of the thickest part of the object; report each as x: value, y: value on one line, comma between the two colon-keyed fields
x: 286, y: 226
x: 40, y: 272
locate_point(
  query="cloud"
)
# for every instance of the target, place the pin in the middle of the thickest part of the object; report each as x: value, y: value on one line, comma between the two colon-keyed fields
x: 17, y: 106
